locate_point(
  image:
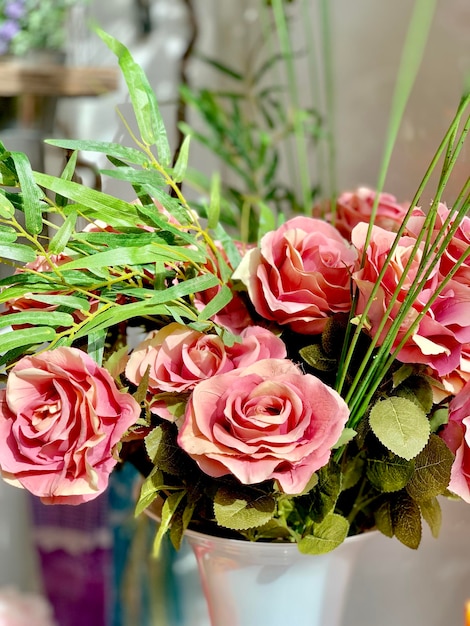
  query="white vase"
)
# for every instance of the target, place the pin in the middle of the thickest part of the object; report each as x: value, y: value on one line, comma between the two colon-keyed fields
x: 258, y: 584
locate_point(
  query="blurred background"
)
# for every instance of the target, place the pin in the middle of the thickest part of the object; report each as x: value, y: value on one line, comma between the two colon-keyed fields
x: 91, y: 563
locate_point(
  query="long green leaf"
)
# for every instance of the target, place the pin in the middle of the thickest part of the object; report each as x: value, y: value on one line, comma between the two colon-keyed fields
x: 17, y: 252
x: 48, y: 318
x: 32, y: 194
x: 112, y: 210
x: 143, y: 99
x: 26, y: 337
x: 62, y: 236
x: 141, y: 255
x: 130, y: 155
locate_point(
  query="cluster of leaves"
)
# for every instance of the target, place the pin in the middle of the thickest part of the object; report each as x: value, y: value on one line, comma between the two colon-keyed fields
x: 114, y: 277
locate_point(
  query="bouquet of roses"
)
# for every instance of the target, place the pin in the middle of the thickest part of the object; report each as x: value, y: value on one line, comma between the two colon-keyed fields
x: 305, y: 388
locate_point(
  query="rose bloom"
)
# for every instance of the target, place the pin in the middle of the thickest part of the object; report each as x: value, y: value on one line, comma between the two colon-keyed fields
x: 456, y: 434
x: 438, y: 338
x: 458, y: 245
x: 61, y: 419
x: 179, y: 357
x: 300, y: 274
x: 234, y: 316
x: 266, y: 421
x: 353, y: 207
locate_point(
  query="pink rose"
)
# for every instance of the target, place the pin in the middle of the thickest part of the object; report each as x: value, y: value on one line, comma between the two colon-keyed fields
x: 61, y: 419
x: 437, y: 339
x: 234, y: 316
x: 300, y: 274
x: 267, y: 421
x: 179, y: 358
x: 353, y: 207
x: 456, y: 434
x: 457, y: 246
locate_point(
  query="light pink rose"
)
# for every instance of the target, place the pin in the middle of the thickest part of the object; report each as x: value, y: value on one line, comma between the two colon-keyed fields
x: 353, y: 207
x: 456, y: 434
x: 179, y: 358
x: 300, y: 274
x: 61, y: 419
x: 437, y: 339
x: 267, y: 421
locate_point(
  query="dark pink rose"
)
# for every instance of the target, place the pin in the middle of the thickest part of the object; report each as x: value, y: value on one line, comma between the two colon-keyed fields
x: 456, y: 434
x: 266, y: 421
x: 353, y: 207
x: 234, y: 316
x: 61, y: 420
x: 437, y: 339
x: 458, y: 245
x: 300, y: 274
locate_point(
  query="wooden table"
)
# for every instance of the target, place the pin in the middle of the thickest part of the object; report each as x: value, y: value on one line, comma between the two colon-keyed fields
x: 33, y: 84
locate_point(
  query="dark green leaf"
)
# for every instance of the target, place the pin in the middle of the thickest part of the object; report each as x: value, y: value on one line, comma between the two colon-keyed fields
x: 432, y: 470
x: 389, y: 474
x: 432, y: 514
x: 406, y: 520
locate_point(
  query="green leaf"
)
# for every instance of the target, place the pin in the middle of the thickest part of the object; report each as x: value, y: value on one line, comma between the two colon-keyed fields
x: 139, y: 255
x: 325, y: 536
x: 32, y: 194
x: 418, y: 390
x: 236, y: 512
x: 406, y: 520
x: 149, y: 490
x: 214, y: 206
x: 389, y: 474
x: 180, y: 523
x: 169, y: 509
x: 112, y: 149
x: 314, y: 356
x: 181, y: 165
x: 164, y: 452
x: 7, y: 210
x: 110, y: 209
x: 96, y: 344
x: 432, y: 470
x: 70, y: 302
x: 48, y: 318
x: 324, y: 496
x: 26, y: 337
x: 222, y: 298
x: 383, y: 518
x: 432, y: 514
x: 17, y: 252
x: 62, y: 236
x: 400, y: 425
x: 143, y: 99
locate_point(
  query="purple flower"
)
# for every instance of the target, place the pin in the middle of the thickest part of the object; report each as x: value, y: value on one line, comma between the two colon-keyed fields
x: 15, y: 10
x: 8, y: 30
